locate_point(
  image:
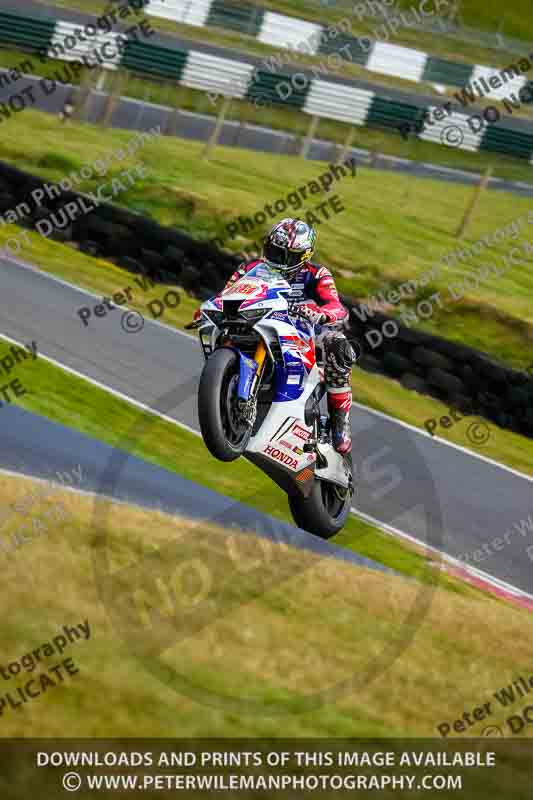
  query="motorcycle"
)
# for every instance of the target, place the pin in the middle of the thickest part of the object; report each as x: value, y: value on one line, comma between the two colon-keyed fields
x: 261, y: 393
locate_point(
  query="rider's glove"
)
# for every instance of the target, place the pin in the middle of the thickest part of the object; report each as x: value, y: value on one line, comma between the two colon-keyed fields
x: 312, y: 312
x: 197, y: 315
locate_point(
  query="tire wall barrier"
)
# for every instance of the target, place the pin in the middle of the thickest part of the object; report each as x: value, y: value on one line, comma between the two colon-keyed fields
x: 135, y: 242
x: 459, y: 376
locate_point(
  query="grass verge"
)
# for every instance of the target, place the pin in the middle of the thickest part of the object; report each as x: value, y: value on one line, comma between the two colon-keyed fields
x: 401, y: 228
x: 159, y: 682
x: 295, y: 122
x: 200, y: 196
x: 59, y: 396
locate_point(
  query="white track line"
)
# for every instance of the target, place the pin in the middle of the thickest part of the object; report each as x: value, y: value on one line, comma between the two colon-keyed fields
x: 445, y: 442
x: 490, y: 579
x: 365, y: 517
x: 464, y: 450
x: 81, y: 290
x: 103, y: 386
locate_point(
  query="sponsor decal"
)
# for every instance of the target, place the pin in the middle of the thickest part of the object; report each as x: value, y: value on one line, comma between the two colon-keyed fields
x: 301, y: 433
x: 296, y: 344
x: 285, y: 443
x: 247, y: 288
x: 297, y: 450
x: 286, y: 460
x: 297, y: 290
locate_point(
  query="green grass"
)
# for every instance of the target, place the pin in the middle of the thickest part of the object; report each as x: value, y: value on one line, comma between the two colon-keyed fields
x: 105, y: 278
x: 398, y: 229
x: 402, y: 227
x: 394, y: 226
x: 283, y: 118
x: 70, y: 401
x: 374, y: 140
x: 271, y: 647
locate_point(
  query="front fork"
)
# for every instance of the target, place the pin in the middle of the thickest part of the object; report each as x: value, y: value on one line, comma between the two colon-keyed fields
x: 259, y: 358
x: 248, y: 408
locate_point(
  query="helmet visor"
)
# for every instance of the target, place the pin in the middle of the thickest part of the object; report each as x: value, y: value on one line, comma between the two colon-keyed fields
x: 282, y: 256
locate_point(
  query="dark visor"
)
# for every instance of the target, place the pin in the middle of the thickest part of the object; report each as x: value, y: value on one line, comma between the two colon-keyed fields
x: 281, y: 255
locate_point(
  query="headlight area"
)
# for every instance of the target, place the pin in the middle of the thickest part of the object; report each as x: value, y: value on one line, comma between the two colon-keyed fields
x: 216, y: 317
x: 254, y: 315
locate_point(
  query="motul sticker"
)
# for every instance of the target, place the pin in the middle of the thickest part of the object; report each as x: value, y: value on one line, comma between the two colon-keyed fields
x: 301, y: 433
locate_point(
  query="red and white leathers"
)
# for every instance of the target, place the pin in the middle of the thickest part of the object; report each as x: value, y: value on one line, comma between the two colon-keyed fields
x: 314, y: 287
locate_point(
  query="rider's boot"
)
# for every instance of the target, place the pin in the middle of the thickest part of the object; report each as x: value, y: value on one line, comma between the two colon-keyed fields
x: 339, y: 405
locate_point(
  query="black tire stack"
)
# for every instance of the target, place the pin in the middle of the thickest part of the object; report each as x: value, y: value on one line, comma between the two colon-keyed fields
x: 459, y: 376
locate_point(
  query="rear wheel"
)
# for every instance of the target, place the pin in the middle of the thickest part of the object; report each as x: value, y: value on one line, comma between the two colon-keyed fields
x: 325, y: 511
x: 225, y: 434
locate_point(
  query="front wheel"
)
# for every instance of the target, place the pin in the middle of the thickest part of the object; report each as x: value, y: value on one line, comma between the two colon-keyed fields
x: 325, y: 511
x: 224, y: 434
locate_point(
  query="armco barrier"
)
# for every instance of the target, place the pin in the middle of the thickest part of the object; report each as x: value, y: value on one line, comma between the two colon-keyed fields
x: 298, y: 88
x: 458, y: 375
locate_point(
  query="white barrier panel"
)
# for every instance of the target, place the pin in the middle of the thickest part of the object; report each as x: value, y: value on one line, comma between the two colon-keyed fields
x: 290, y: 33
x: 510, y: 83
x: 452, y: 131
x: 211, y: 73
x: 391, y: 59
x: 343, y: 103
x: 59, y: 48
x: 188, y: 12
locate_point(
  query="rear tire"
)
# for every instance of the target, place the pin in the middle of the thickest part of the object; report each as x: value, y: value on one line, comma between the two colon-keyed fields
x: 216, y: 398
x: 324, y: 512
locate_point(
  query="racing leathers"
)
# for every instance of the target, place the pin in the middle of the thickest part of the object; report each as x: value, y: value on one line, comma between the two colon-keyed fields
x: 314, y: 286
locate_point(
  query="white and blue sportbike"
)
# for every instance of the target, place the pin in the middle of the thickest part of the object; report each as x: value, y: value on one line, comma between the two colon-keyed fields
x: 260, y: 397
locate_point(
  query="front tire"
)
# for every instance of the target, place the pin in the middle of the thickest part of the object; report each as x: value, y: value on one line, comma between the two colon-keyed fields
x: 324, y: 512
x: 224, y: 437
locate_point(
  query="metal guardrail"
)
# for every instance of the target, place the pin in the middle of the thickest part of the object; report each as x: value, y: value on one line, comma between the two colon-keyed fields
x: 283, y: 31
x: 326, y: 99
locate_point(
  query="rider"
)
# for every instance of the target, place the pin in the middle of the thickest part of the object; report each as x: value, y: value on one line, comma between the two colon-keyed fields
x: 288, y: 249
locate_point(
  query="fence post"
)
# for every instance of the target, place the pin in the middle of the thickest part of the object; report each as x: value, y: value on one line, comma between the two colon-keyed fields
x: 213, y: 139
x: 306, y: 144
x: 347, y: 145
x: 82, y: 96
x: 473, y: 202
x: 119, y: 84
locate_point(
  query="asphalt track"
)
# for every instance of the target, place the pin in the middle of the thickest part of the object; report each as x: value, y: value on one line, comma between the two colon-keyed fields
x: 440, y: 494
x: 33, y: 445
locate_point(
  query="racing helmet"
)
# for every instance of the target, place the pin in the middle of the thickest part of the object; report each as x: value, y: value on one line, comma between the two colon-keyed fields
x: 289, y: 245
